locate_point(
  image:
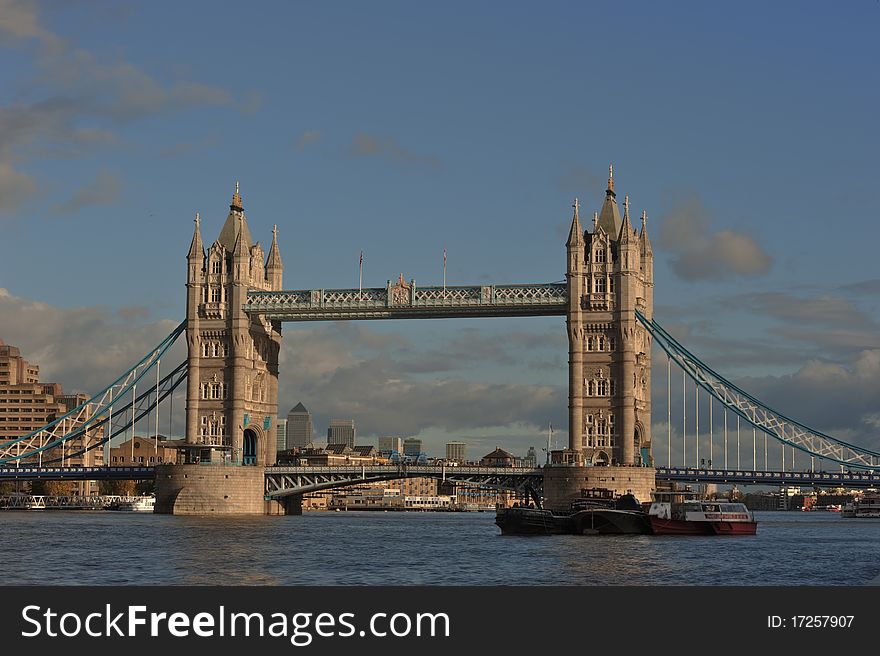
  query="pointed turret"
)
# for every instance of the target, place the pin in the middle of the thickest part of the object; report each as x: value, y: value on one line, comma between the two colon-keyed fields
x: 626, y: 230
x: 609, y: 215
x: 575, y: 235
x: 196, y: 248
x: 274, y: 266
x: 241, y: 245
x: 235, y: 223
x: 195, y: 258
x: 643, y: 235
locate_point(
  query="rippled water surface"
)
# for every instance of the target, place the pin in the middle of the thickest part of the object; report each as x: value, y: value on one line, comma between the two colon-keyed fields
x: 373, y: 548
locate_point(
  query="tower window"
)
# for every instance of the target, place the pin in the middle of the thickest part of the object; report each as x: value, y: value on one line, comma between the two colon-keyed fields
x: 589, y: 343
x: 600, y: 255
x: 601, y: 343
x: 215, y: 266
x: 215, y: 295
x: 600, y: 284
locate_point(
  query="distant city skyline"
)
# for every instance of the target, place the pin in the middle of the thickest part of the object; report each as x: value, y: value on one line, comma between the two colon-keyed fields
x: 750, y: 143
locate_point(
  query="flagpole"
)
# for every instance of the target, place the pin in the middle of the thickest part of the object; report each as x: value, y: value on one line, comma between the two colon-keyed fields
x: 360, y: 275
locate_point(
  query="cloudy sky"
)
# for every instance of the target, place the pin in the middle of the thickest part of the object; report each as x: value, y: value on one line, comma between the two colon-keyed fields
x: 747, y: 131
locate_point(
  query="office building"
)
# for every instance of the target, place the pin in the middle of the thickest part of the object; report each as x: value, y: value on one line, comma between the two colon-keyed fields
x: 299, y: 427
x: 455, y: 451
x: 341, y: 431
x: 27, y: 405
x: 389, y: 444
x: 412, y: 446
x: 281, y: 436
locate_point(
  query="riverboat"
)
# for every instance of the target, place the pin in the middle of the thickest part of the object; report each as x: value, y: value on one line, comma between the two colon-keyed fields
x: 680, y: 513
x: 140, y: 504
x: 868, y: 506
x: 597, y: 512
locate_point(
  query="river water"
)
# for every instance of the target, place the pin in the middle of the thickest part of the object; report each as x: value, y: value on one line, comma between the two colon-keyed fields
x: 379, y: 548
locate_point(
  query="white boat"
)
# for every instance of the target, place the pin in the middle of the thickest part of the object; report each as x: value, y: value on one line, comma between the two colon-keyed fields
x: 141, y: 504
x: 867, y: 506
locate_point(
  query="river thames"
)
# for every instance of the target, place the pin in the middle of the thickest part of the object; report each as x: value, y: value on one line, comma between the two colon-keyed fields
x: 376, y: 548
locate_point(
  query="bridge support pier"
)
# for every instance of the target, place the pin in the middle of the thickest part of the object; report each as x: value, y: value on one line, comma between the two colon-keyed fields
x: 563, y: 483
x: 291, y: 505
x: 210, y: 490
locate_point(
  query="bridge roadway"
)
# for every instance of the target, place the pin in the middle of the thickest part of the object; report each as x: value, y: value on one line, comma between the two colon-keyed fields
x: 287, y: 481
x: 775, y: 478
x: 284, y: 481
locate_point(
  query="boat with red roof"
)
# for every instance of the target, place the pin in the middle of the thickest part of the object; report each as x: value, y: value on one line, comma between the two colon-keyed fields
x: 681, y: 513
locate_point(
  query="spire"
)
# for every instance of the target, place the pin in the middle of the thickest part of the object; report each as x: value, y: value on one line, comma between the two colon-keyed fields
x: 274, y: 259
x: 236, y: 200
x: 195, y: 248
x: 240, y: 247
x: 575, y: 235
x: 643, y: 237
x: 235, y: 223
x: 626, y: 229
x: 609, y: 215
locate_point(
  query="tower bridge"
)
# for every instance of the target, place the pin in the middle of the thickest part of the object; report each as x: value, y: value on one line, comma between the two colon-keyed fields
x: 236, y: 303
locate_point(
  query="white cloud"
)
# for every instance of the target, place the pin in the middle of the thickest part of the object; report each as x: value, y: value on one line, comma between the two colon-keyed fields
x: 701, y: 255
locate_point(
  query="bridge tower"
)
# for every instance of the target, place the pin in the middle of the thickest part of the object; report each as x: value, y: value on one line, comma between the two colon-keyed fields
x: 232, y: 389
x: 610, y: 276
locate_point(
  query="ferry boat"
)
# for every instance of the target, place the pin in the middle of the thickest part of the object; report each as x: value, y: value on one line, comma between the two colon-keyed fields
x: 867, y: 506
x: 597, y: 512
x: 141, y: 504
x: 674, y: 513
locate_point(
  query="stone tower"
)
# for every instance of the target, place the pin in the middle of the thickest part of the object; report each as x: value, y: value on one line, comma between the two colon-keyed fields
x: 610, y: 274
x: 232, y: 387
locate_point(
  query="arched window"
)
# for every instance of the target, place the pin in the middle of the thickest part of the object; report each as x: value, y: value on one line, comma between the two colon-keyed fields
x: 600, y: 254
x: 589, y: 343
x: 601, y: 343
x: 590, y: 388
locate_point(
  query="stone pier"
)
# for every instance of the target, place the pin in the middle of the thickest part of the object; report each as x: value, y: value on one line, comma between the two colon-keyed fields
x: 212, y: 490
x: 563, y: 482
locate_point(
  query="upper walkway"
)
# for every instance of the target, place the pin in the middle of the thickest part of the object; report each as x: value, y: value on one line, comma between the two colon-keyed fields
x: 757, y: 477
x: 406, y: 301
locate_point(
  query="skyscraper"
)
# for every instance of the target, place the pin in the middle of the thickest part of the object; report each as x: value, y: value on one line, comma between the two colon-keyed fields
x: 299, y: 427
x: 341, y: 431
x: 388, y: 444
x: 281, y: 435
x: 455, y: 451
x: 412, y: 446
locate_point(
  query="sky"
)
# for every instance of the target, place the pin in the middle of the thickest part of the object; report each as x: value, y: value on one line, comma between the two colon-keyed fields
x: 747, y: 132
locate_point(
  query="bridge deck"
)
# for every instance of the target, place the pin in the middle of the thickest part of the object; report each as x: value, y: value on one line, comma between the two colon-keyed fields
x: 409, y: 302
x: 745, y: 476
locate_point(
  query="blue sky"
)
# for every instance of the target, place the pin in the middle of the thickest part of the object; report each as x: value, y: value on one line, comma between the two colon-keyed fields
x: 747, y: 131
